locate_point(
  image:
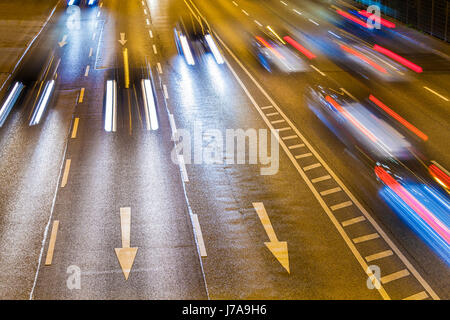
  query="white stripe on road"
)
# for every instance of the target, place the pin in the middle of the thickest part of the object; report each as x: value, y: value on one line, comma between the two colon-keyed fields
x: 86, y: 73
x: 198, y: 234
x: 154, y: 49
x: 313, y: 166
x: 366, y: 238
x: 166, y: 94
x: 330, y: 191
x: 258, y: 23
x: 296, y: 146
x: 183, y: 168
x: 245, y: 12
x: 341, y: 205
x: 379, y: 255
x: 305, y: 155
x: 313, y: 22
x: 349, y: 222
x: 418, y: 296
x: 439, y: 95
x: 319, y: 179
x: 289, y: 137
x: 150, y: 33
x: 394, y: 276
x: 90, y: 52
x: 323, y: 74
x: 158, y: 65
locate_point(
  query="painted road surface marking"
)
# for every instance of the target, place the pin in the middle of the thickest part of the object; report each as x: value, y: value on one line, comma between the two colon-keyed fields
x: 75, y: 128
x: 51, y: 245
x: 366, y: 238
x: 199, y: 236
x: 66, y: 173
x: 379, y: 255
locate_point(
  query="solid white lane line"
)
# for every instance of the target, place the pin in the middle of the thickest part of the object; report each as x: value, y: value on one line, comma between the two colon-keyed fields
x: 154, y: 49
x: 315, y: 68
x: 86, y: 73
x: 258, y: 23
x: 183, y: 168
x: 394, y: 276
x: 418, y: 296
x: 296, y: 146
x: 366, y: 238
x: 330, y: 191
x: 75, y: 128
x: 305, y: 155
x: 66, y: 173
x: 341, y: 205
x: 166, y: 94
x: 51, y: 245
x: 313, y: 166
x: 313, y: 22
x: 439, y: 95
x: 158, y: 65
x: 349, y: 222
x: 98, y: 14
x: 289, y: 137
x: 379, y: 255
x: 199, y: 235
x: 319, y: 179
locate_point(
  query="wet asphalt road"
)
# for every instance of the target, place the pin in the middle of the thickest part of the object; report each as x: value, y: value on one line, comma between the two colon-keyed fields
x: 132, y: 168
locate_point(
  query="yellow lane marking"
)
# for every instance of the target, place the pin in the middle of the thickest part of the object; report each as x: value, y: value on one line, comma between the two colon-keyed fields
x: 66, y: 174
x: 51, y: 245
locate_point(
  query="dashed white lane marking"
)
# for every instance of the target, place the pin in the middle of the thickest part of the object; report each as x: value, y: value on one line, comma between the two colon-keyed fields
x: 349, y: 222
x: 289, y: 137
x: 278, y: 121
x: 91, y: 52
x: 199, y: 235
x: 341, y: 205
x: 315, y: 68
x: 418, y: 296
x: 284, y: 129
x: 145, y: 11
x: 439, y: 95
x: 75, y: 128
x: 143, y: 3
x: 101, y: 4
x: 66, y: 173
x: 310, y: 20
x: 272, y: 114
x: 394, y: 276
x: 245, y: 12
x: 154, y: 49
x: 150, y: 33
x: 51, y: 245
x: 173, y: 125
x: 297, y: 12
x: 235, y: 3
x: 183, y: 168
x: 258, y: 23
x: 158, y: 65
x: 98, y: 14
x: 93, y: 36
x: 147, y: 21
x: 319, y: 179
x: 86, y: 73
x: 365, y: 238
x: 305, y: 155
x: 284, y: 3
x: 166, y: 94
x: 379, y: 255
x: 330, y: 191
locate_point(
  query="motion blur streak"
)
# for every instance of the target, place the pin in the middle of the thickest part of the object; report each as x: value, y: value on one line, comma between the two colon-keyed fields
x: 275, y: 34
x: 214, y: 49
x: 398, y: 58
x: 266, y: 44
x: 397, y: 117
x: 352, y: 18
x: 110, y: 106
x: 187, y: 51
x: 42, y: 103
x: 384, y: 22
x: 351, y: 119
x: 440, y: 176
x: 10, y: 101
x: 414, y: 204
x: 150, y: 107
x: 299, y: 47
x: 363, y: 58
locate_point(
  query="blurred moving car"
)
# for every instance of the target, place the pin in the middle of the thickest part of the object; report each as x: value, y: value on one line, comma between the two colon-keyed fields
x: 193, y: 39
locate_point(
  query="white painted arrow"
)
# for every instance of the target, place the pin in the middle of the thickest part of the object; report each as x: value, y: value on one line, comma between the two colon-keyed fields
x: 122, y: 39
x: 126, y: 254
x: 63, y: 41
x: 278, y: 248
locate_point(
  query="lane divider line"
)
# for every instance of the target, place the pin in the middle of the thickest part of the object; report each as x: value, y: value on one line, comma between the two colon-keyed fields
x: 66, y: 173
x: 439, y: 95
x: 51, y: 245
x: 75, y: 128
x: 81, y: 97
x: 86, y: 73
x: 199, y: 235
